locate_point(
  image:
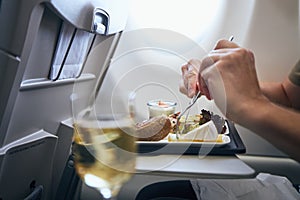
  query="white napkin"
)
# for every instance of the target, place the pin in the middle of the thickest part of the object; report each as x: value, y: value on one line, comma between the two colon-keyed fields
x: 264, y: 186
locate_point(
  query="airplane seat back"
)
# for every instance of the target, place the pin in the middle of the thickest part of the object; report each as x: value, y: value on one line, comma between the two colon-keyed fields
x: 44, y: 45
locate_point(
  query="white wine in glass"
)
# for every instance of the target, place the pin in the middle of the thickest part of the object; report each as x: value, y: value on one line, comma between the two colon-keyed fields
x: 105, y: 152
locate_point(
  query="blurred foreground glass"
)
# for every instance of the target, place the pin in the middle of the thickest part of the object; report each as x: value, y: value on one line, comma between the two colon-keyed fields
x: 104, y: 148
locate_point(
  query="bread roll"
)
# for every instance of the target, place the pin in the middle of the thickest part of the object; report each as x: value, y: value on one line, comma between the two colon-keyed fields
x: 154, y: 129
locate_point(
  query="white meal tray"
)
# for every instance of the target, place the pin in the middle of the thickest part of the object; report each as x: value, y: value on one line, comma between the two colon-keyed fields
x: 231, y: 144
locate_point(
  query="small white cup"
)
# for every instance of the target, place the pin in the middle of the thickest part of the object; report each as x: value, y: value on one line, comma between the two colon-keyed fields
x: 161, y: 107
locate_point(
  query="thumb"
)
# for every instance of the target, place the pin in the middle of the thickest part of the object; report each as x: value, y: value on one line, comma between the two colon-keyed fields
x: 215, y: 86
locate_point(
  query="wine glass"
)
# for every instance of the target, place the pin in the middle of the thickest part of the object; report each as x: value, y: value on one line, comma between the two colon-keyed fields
x: 104, y: 147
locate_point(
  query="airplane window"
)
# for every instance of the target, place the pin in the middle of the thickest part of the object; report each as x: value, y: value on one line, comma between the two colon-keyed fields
x: 190, y: 18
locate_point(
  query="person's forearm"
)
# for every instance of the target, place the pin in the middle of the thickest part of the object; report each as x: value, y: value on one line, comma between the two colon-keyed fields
x: 278, y: 125
x: 293, y: 93
x: 275, y: 92
x: 285, y: 93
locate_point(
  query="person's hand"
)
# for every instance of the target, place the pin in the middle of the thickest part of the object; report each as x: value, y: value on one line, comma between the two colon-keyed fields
x: 189, y: 77
x: 228, y: 76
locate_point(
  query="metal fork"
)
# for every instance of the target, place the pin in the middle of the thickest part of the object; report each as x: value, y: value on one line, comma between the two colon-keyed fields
x: 192, y: 102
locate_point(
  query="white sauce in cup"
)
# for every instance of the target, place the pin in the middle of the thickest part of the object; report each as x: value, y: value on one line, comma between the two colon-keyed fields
x: 161, y: 107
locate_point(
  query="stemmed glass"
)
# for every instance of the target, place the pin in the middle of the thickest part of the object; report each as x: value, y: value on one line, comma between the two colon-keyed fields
x: 104, y: 146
